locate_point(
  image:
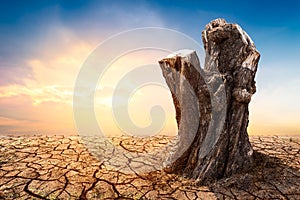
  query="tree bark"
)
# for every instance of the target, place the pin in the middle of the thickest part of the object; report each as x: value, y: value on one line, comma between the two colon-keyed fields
x: 212, y: 104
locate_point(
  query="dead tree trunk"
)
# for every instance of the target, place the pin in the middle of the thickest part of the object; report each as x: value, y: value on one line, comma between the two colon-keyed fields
x: 211, y: 143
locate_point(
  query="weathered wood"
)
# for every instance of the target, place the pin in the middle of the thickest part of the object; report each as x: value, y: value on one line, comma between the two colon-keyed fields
x: 212, y: 145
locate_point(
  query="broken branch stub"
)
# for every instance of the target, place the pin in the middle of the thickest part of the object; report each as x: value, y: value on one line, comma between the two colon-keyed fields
x: 212, y: 103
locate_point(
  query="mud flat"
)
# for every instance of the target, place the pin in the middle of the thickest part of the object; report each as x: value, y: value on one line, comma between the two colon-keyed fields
x: 58, y: 167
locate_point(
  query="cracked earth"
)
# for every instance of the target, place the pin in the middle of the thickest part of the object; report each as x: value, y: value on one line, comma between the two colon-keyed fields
x: 57, y: 167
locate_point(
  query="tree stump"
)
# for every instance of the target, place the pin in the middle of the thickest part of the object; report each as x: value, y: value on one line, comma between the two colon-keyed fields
x: 212, y: 104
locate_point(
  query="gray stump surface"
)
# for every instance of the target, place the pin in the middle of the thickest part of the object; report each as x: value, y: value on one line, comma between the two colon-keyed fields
x: 211, y: 145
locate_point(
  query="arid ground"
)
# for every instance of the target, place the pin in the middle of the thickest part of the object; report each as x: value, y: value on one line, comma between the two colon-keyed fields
x: 58, y: 167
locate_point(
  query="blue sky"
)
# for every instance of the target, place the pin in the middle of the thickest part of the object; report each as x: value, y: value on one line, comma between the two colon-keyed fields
x: 36, y: 33
x: 273, y: 25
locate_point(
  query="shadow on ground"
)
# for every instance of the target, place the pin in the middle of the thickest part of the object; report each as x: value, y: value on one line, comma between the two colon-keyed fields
x: 271, y: 178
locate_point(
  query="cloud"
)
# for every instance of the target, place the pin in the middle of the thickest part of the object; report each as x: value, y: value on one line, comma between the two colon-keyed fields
x: 11, y: 74
x: 53, y: 70
x: 37, y: 82
x: 38, y: 95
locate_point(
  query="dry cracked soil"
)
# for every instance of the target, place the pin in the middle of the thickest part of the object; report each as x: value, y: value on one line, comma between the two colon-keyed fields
x: 58, y: 167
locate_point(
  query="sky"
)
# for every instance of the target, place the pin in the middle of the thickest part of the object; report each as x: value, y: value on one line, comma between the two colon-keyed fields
x: 43, y: 45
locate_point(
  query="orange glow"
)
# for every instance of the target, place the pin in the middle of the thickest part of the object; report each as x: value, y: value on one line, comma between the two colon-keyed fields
x: 44, y: 103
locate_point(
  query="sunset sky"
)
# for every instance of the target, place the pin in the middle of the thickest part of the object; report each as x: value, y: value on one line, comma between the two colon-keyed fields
x: 43, y: 45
